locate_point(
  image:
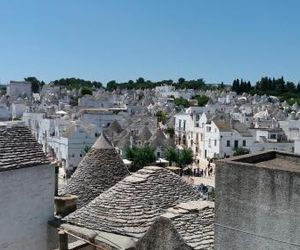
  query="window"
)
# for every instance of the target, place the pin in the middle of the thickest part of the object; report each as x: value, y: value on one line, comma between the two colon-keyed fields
x: 208, y: 129
x: 273, y: 136
x: 228, y: 143
x: 80, y: 155
x: 236, y: 143
x: 215, y: 142
x: 201, y: 137
x: 244, y: 143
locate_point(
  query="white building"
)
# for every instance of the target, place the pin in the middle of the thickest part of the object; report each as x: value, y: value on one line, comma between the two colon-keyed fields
x: 297, y: 146
x: 17, y: 109
x: 68, y: 141
x: 223, y: 136
x: 27, y: 186
x: 5, y: 114
x: 291, y: 128
x: 16, y: 89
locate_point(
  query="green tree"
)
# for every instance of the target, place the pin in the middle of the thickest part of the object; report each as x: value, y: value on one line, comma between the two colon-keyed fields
x: 75, y: 83
x: 202, y: 100
x: 181, y: 102
x: 170, y: 131
x: 181, y: 80
x: 185, y: 157
x: 140, y: 156
x: 86, y: 91
x: 35, y: 83
x: 111, y: 85
x: 171, y: 155
x: 140, y: 80
x: 162, y: 116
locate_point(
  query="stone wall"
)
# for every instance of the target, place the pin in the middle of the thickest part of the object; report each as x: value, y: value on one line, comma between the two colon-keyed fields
x: 26, y: 205
x: 256, y: 208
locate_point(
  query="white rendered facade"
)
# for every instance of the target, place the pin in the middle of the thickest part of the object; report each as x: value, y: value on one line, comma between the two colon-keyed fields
x: 27, y: 204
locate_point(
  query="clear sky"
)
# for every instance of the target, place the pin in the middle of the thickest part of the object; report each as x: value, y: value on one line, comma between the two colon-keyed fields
x: 119, y: 40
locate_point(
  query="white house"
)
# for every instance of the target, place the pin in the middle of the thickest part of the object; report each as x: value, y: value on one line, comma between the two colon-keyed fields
x: 223, y: 136
x: 16, y: 89
x: 27, y: 186
x: 291, y: 128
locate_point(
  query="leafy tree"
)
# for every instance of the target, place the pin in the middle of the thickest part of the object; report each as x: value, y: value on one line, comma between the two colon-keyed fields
x: 241, y: 151
x: 2, y: 90
x: 171, y: 155
x: 140, y: 80
x: 86, y: 91
x: 35, y: 83
x: 111, y: 85
x: 162, y: 116
x: 181, y: 80
x: 202, y: 100
x: 181, y: 102
x: 185, y: 157
x: 140, y: 156
x: 75, y: 83
x: 170, y: 131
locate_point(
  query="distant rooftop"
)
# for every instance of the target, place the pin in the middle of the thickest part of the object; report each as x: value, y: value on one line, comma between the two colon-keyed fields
x: 275, y: 160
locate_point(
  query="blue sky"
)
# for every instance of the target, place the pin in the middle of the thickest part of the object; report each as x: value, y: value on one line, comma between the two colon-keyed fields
x: 156, y: 39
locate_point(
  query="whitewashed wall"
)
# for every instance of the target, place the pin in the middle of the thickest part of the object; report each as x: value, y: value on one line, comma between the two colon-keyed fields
x: 26, y: 205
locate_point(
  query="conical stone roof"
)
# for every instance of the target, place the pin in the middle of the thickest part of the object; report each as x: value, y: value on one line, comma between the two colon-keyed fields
x: 145, y: 134
x: 158, y: 139
x: 115, y: 127
x: 100, y: 169
x: 131, y: 206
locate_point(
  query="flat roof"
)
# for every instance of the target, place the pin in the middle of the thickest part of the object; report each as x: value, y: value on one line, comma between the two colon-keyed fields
x: 275, y: 160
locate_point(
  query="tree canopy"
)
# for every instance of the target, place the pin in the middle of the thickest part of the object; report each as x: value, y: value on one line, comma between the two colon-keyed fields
x: 202, y: 100
x: 181, y: 157
x: 285, y: 90
x: 76, y: 83
x: 36, y: 85
x: 162, y: 116
x: 181, y: 102
x: 141, y: 83
x: 140, y: 156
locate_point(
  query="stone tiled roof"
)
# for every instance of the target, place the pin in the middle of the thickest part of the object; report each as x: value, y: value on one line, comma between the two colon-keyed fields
x: 115, y: 127
x: 158, y: 139
x: 145, y: 134
x: 18, y: 148
x: 100, y: 169
x: 131, y: 206
x: 194, y: 221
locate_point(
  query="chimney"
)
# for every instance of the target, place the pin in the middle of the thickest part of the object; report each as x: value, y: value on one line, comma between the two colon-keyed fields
x: 65, y: 205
